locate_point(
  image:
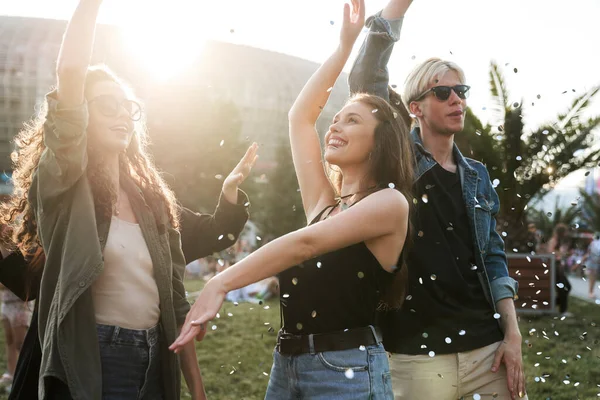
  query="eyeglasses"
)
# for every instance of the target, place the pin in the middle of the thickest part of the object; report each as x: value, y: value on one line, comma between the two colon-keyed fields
x: 443, y: 92
x: 109, y: 106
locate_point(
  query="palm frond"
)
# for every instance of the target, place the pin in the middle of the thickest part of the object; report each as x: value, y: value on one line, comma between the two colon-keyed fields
x: 579, y: 105
x: 590, y: 208
x: 499, y: 91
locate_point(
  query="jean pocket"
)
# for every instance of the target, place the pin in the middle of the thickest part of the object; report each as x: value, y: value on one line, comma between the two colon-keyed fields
x: 343, y: 360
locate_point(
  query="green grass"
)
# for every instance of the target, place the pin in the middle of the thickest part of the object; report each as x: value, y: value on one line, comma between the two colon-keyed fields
x: 236, y: 357
x: 569, y: 352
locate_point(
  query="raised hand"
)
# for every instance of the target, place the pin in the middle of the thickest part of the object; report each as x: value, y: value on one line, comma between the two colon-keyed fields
x: 354, y: 21
x: 239, y: 174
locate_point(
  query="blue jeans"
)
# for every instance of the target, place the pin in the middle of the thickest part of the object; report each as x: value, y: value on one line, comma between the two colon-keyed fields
x: 130, y: 363
x: 332, y: 375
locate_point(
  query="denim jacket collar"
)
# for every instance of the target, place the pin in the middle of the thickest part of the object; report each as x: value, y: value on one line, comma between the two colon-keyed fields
x: 425, y: 161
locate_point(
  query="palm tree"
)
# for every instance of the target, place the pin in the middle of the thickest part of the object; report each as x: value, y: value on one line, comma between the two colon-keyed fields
x: 590, y: 210
x: 528, y: 164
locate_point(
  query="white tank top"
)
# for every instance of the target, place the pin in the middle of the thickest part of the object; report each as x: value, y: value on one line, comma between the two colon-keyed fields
x: 125, y: 294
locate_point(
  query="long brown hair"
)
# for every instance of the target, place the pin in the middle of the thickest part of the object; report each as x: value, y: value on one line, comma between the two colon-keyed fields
x: 134, y: 165
x: 391, y: 165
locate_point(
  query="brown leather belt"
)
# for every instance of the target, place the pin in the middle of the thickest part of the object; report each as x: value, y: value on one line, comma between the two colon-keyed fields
x: 288, y: 344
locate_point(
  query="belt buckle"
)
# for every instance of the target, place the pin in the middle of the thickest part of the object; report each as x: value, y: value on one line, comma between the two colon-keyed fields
x: 285, y: 340
x: 287, y: 336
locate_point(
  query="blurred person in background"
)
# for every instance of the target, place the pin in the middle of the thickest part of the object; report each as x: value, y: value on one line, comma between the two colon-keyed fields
x: 591, y: 260
x: 559, y: 245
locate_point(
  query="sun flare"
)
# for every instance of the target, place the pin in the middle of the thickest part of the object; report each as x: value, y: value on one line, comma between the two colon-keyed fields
x: 165, y: 40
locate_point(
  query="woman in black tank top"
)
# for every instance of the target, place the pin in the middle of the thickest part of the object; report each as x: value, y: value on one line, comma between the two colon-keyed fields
x: 336, y: 272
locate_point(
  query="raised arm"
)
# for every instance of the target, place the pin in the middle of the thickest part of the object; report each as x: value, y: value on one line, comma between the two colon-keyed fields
x: 76, y: 53
x: 64, y: 160
x: 315, y: 188
x: 204, y: 234
x: 369, y: 73
x: 382, y: 214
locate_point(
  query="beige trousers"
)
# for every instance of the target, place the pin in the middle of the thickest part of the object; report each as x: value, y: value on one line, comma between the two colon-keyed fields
x: 465, y: 376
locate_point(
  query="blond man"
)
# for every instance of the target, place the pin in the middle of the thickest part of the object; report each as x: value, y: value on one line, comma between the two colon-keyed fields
x: 457, y: 334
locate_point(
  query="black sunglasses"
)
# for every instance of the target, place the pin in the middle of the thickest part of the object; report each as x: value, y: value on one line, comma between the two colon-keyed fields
x: 109, y: 106
x: 443, y: 92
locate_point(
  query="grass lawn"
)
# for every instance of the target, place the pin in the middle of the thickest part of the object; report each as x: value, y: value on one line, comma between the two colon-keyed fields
x: 561, y: 356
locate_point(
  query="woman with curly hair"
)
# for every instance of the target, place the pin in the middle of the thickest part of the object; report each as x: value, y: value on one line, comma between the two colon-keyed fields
x: 111, y: 295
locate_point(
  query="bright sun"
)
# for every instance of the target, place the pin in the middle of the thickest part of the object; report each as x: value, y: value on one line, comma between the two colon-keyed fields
x: 165, y: 39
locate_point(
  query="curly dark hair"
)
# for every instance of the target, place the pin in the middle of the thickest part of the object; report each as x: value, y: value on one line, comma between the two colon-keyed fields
x: 134, y: 165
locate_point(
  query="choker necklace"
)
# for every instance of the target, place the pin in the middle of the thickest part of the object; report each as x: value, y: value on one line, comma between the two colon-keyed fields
x: 345, y: 206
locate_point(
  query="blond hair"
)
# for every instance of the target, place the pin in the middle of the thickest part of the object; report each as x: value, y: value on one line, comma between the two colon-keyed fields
x: 425, y: 74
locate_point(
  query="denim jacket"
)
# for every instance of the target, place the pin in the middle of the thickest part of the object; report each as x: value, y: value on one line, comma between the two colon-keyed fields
x: 369, y: 74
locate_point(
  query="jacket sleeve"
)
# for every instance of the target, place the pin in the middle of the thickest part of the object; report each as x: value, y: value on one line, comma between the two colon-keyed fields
x: 64, y: 159
x: 14, y: 274
x: 180, y: 303
x: 369, y: 74
x: 502, y: 285
x: 204, y: 234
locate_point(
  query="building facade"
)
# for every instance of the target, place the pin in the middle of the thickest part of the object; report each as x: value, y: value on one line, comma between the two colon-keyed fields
x: 261, y: 84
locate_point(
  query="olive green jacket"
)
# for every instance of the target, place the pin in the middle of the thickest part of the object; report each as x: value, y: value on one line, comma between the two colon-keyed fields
x: 73, y: 241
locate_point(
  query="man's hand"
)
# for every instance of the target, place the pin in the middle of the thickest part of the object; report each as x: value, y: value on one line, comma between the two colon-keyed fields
x: 509, y: 352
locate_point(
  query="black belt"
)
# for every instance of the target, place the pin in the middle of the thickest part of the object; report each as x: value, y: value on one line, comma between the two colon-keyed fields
x: 288, y: 344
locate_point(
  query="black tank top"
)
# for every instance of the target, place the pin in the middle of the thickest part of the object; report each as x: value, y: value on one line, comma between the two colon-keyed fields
x: 333, y: 292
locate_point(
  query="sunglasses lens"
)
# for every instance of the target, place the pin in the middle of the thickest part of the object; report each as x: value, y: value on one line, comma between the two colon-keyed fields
x: 462, y: 91
x: 134, y: 110
x: 442, y: 92
x: 107, y: 106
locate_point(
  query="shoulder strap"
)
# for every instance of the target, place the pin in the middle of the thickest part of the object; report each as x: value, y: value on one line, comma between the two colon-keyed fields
x: 320, y: 214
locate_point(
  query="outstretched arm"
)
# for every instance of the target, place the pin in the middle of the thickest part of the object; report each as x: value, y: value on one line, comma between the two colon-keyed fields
x: 304, y: 138
x: 384, y: 213
x: 369, y: 73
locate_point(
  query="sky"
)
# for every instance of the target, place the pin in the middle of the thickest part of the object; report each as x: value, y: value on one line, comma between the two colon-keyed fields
x: 552, y: 44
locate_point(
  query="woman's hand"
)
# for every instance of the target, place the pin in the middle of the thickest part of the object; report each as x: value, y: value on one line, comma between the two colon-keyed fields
x: 354, y: 20
x: 205, y: 308
x: 239, y: 174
